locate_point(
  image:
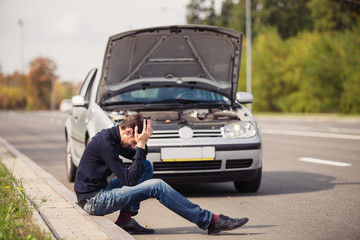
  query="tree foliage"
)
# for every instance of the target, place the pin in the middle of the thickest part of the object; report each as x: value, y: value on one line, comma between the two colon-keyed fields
x: 338, y: 15
x: 314, y: 72
x: 32, y: 91
x: 288, y: 17
x: 201, y: 12
x: 12, y: 91
x: 39, y: 83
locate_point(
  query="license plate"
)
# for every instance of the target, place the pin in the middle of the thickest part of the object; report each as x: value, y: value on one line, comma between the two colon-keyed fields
x: 187, y: 154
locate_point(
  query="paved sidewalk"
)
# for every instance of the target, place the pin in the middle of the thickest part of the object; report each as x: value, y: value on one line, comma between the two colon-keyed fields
x: 57, y: 211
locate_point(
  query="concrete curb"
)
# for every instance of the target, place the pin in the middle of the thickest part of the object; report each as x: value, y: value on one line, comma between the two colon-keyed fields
x: 56, y: 204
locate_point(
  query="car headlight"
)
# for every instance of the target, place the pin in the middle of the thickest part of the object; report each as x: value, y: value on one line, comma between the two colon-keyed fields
x: 239, y: 130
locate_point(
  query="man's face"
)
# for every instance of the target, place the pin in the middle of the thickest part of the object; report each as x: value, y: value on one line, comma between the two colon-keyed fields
x: 128, y: 138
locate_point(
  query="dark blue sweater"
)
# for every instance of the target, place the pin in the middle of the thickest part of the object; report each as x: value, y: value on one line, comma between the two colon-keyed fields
x: 101, y: 158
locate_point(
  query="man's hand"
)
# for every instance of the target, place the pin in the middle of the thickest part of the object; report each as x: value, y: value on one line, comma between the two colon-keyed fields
x: 143, y: 137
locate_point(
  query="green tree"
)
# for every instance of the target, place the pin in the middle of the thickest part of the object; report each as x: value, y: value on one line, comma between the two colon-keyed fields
x: 226, y: 15
x: 313, y: 72
x: 289, y: 17
x: 334, y: 15
x: 211, y: 18
x: 32, y: 91
x: 201, y: 12
x: 195, y: 11
x: 350, y: 52
x: 12, y: 91
x: 269, y: 54
x: 333, y: 74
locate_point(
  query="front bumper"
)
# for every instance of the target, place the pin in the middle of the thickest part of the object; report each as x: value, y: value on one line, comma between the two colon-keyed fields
x: 219, y: 176
x: 229, y: 165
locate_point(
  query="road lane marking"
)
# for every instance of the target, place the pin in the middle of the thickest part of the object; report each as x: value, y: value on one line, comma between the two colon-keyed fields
x: 310, y: 134
x: 326, y: 162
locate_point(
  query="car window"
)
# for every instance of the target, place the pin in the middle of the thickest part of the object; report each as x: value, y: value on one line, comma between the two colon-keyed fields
x: 164, y: 94
x: 88, y: 90
x: 86, y: 85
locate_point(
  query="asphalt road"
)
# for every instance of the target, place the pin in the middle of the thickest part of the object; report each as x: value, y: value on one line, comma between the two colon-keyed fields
x: 300, y: 197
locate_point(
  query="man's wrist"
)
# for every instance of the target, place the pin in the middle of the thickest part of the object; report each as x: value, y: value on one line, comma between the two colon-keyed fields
x: 141, y: 145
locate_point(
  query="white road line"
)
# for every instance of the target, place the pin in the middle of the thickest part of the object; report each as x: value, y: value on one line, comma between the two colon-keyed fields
x: 326, y: 162
x: 310, y: 134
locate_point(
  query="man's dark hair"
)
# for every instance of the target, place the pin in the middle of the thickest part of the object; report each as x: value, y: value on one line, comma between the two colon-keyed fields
x: 132, y: 121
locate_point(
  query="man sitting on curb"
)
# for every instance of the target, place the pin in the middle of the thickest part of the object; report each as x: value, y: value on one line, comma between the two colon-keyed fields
x: 132, y: 185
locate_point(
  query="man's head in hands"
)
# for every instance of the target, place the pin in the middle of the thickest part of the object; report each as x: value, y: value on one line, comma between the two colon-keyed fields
x: 135, y: 130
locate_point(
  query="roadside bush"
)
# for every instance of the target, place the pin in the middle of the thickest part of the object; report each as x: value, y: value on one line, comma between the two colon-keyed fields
x: 312, y: 72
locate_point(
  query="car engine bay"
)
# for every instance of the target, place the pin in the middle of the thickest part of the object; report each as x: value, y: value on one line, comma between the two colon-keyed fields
x: 211, y: 118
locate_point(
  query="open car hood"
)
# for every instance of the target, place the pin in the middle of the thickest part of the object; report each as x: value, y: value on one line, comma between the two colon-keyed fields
x: 190, y: 56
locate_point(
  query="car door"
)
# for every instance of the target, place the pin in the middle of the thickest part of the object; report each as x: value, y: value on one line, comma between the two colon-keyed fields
x: 79, y: 117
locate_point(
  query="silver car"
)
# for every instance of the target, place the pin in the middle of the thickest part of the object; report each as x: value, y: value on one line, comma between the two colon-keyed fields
x: 184, y: 78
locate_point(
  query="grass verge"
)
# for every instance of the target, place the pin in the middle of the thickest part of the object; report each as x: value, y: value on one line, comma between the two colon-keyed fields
x: 15, y: 213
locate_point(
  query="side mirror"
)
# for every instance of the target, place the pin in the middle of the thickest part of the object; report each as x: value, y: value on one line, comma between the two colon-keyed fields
x: 78, y: 101
x: 244, y: 97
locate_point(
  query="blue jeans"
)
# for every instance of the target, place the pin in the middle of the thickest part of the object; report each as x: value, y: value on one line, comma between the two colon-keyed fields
x: 116, y: 197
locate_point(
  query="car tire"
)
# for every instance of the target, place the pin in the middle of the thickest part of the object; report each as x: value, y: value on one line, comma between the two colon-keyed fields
x: 70, y: 167
x: 249, y: 186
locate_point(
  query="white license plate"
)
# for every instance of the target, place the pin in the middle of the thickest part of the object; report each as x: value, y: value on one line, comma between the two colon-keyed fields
x: 187, y: 154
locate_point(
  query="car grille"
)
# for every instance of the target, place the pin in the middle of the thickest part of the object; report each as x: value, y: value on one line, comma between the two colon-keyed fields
x: 241, y: 163
x: 187, y: 166
x: 198, y: 133
x: 198, y: 165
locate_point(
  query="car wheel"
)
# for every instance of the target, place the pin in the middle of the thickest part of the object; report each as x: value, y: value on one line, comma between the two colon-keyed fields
x: 70, y: 167
x: 249, y: 186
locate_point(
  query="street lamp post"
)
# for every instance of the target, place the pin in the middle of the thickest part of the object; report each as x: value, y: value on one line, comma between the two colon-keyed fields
x: 248, y: 48
x: 21, y: 25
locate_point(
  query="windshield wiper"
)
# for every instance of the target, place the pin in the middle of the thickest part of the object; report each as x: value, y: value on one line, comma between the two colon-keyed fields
x: 183, y: 101
x: 120, y: 103
x: 189, y: 102
x: 149, y: 102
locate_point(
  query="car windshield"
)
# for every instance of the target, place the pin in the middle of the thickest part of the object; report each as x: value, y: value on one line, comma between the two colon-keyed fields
x: 167, y: 95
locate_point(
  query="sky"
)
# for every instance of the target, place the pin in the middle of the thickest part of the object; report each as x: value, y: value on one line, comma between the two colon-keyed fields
x: 74, y: 33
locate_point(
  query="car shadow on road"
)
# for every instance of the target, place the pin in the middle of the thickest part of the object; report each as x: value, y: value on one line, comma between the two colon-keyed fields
x: 273, y: 183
